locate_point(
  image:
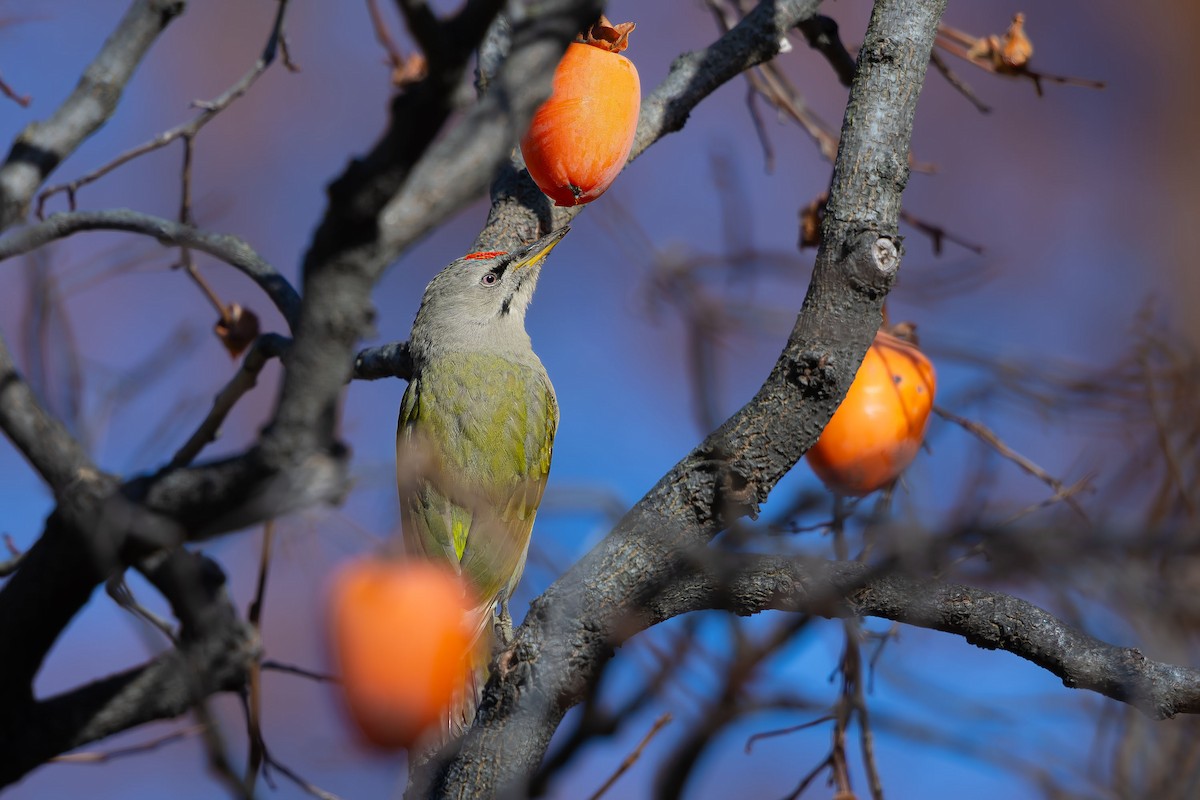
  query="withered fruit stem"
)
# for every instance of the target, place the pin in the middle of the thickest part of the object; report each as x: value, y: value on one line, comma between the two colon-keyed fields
x: 607, y: 36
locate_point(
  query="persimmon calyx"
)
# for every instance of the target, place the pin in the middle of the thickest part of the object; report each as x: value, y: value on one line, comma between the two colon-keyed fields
x: 606, y: 36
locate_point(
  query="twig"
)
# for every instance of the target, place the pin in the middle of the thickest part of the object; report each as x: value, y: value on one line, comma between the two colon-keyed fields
x: 22, y: 100
x: 47, y: 143
x: 785, y: 731
x: 253, y: 695
x: 938, y: 234
x: 254, y: 613
x: 984, y: 434
x: 1064, y: 494
x: 99, y: 757
x: 760, y: 129
x: 187, y: 130
x: 958, y: 83
x: 13, y: 563
x: 291, y: 669
x: 1006, y: 55
x: 632, y: 758
x: 855, y: 686
x: 264, y: 348
x: 121, y: 594
x: 214, y: 748
x: 307, y: 787
x: 394, y: 57
x: 1162, y: 436
x: 225, y: 247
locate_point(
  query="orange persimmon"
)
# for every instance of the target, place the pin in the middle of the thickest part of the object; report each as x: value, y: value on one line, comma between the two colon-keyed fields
x: 401, y: 637
x: 878, y: 429
x: 581, y: 136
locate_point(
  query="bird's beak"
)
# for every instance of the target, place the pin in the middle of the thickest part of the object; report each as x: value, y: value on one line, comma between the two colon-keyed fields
x: 533, y: 254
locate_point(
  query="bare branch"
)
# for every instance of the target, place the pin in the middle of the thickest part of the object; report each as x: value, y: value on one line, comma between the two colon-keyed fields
x: 102, y: 756
x: 985, y: 434
x: 225, y: 247
x: 23, y: 100
x: 632, y: 758
x: 748, y: 584
x: 42, y: 146
x: 186, y: 131
x: 246, y: 378
x: 215, y: 653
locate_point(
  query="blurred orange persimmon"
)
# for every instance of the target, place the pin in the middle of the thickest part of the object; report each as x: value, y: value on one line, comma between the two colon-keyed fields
x: 877, y: 430
x: 401, y: 637
x: 580, y: 137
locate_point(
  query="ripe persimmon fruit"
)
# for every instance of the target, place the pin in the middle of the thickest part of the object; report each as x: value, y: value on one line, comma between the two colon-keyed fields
x: 581, y: 136
x: 401, y: 637
x: 878, y: 429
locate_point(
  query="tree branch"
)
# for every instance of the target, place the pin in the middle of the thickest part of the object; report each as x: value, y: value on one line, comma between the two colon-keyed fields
x: 748, y: 584
x: 188, y: 130
x: 43, y: 145
x: 385, y: 361
x: 215, y: 654
x: 568, y: 633
x: 224, y: 247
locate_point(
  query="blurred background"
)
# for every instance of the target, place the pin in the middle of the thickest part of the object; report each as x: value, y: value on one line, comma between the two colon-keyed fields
x: 1071, y: 335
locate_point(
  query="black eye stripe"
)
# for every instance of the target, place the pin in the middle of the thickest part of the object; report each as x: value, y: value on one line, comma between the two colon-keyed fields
x: 492, y: 276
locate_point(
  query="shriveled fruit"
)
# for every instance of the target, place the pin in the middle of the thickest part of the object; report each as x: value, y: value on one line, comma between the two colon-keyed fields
x: 581, y: 136
x: 401, y: 638
x: 878, y: 429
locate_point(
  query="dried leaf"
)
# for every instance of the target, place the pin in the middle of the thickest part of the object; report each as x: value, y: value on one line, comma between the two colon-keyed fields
x: 607, y: 36
x: 810, y: 222
x: 237, y: 330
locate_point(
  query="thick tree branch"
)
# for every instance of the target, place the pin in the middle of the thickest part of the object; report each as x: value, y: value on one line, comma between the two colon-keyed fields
x: 215, y: 654
x: 569, y: 631
x: 43, y: 145
x: 225, y: 247
x: 748, y: 584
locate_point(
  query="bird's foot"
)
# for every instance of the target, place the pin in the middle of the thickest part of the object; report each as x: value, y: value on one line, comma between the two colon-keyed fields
x: 504, y: 626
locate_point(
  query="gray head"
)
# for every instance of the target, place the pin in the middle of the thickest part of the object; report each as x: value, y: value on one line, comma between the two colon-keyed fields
x: 478, y: 303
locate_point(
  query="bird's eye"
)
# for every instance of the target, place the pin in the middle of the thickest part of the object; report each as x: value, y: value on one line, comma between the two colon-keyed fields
x: 489, y: 279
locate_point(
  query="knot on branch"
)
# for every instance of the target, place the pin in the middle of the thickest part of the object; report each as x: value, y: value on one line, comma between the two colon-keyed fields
x: 871, y: 262
x: 886, y: 255
x: 812, y: 372
x: 737, y: 493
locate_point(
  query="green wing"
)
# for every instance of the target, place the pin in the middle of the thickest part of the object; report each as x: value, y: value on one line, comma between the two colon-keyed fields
x: 474, y: 444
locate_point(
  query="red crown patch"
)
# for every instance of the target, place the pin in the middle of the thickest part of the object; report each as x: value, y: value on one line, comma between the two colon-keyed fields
x: 481, y: 256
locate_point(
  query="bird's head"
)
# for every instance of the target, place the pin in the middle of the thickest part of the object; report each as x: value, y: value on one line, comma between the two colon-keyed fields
x: 479, y: 301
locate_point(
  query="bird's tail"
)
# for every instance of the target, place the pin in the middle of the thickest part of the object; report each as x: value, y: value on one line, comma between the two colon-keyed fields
x: 461, y: 713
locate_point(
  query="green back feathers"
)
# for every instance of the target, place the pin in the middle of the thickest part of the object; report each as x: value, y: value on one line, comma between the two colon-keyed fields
x: 478, y: 430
